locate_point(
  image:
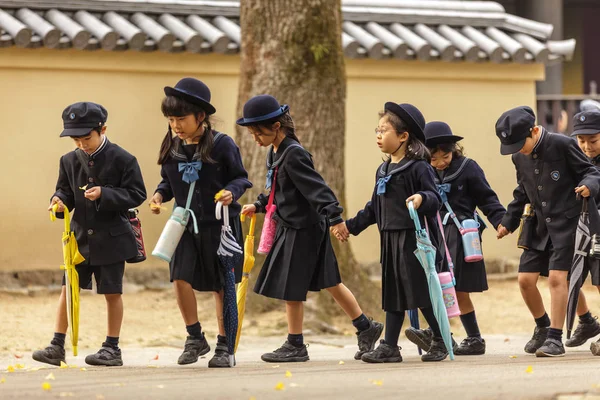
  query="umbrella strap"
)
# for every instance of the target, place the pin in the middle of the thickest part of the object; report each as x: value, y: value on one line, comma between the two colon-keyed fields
x: 448, y: 258
x: 187, y: 206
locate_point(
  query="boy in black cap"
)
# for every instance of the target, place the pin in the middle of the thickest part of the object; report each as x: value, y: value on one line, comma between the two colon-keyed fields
x: 99, y: 181
x: 587, y: 131
x: 551, y: 171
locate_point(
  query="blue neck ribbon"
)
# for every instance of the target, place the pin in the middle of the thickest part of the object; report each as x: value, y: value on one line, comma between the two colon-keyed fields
x: 190, y: 170
x: 443, y: 189
x: 381, y: 184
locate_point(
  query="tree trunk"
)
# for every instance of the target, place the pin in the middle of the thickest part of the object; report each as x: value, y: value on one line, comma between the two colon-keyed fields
x: 291, y: 49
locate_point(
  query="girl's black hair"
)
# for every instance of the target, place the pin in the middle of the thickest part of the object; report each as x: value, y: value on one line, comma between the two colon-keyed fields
x: 456, y: 149
x: 415, y: 149
x: 287, y: 124
x: 176, y: 107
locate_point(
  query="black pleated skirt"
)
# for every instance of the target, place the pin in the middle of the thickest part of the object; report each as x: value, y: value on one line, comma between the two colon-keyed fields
x: 300, y: 260
x: 196, y: 261
x: 470, y: 276
x: 404, y: 284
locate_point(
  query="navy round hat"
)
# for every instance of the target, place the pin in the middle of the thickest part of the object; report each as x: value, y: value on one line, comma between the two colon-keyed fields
x: 194, y: 91
x: 513, y: 127
x: 80, y: 118
x: 261, y: 108
x: 410, y: 115
x: 437, y: 132
x: 586, y: 123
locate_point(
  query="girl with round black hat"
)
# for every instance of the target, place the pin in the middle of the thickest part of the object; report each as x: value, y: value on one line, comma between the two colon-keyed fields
x: 192, y: 151
x: 465, y: 187
x: 404, y: 177
x: 301, y: 258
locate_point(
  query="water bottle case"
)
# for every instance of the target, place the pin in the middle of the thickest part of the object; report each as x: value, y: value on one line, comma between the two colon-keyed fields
x: 471, y: 241
x: 267, y: 236
x: 526, y: 228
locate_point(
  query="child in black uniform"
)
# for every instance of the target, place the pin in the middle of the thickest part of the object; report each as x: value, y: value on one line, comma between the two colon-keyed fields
x: 551, y: 171
x: 301, y: 258
x: 100, y: 201
x: 586, y: 126
x: 197, y: 153
x: 406, y: 176
x: 462, y: 183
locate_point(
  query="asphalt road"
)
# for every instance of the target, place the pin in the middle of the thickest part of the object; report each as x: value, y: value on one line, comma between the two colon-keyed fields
x: 332, y: 373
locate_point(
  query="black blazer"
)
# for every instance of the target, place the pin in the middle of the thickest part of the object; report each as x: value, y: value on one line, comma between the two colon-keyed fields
x: 102, y: 229
x: 227, y: 173
x: 468, y: 189
x: 547, y: 179
x: 301, y: 195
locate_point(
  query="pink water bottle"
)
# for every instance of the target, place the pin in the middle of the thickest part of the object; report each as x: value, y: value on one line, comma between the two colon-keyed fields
x: 449, y: 294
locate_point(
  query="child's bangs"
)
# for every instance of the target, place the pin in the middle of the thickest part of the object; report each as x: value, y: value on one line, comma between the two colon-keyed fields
x: 175, y: 107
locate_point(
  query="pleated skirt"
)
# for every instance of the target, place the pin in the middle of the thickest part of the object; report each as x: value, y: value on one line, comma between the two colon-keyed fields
x: 196, y: 261
x: 300, y: 260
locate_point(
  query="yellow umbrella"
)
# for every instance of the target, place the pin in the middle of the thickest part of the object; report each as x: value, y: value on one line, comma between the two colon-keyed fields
x: 243, y: 286
x: 71, y: 257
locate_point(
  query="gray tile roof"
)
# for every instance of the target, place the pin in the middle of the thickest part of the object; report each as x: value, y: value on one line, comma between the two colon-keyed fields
x: 404, y: 29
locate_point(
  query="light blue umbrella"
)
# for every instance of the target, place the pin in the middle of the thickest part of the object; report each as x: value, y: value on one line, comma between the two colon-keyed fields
x: 425, y: 253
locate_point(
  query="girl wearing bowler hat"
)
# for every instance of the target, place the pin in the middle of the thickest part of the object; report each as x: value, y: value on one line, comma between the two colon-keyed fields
x: 193, y: 152
x: 464, y: 186
x: 406, y: 176
x: 301, y: 258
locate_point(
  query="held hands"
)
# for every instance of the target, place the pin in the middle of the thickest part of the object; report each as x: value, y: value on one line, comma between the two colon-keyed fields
x: 93, y: 193
x: 583, y: 191
x: 417, y: 199
x: 155, y: 203
x: 340, y: 231
x: 501, y: 232
x: 57, y: 200
x: 225, y: 197
x: 249, y: 210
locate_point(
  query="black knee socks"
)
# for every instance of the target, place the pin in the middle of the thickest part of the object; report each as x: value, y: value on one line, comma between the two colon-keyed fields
x: 393, y: 326
x: 469, y: 321
x: 430, y: 318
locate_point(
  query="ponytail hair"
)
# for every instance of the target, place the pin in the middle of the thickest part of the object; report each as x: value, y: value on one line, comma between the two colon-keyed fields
x: 286, y: 122
x: 176, y: 107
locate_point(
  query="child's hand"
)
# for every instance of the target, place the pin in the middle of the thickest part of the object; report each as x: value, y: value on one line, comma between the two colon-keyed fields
x: 93, y: 193
x: 501, y: 232
x: 225, y: 197
x: 583, y: 190
x: 155, y: 203
x: 57, y: 200
x: 417, y: 199
x: 340, y: 231
x: 249, y: 210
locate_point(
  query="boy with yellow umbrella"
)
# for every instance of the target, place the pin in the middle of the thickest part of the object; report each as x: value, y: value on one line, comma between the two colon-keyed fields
x: 99, y: 181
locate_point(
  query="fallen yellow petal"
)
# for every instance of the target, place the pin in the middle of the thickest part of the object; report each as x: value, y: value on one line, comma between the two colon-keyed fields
x: 288, y: 374
x: 2, y: 380
x: 83, y: 187
x: 529, y: 370
x: 252, y: 398
x: 280, y: 386
x: 34, y: 369
x: 153, y: 366
x: 49, y: 377
x: 341, y: 363
x: 275, y: 366
x: 378, y: 383
x: 46, y: 386
x: 63, y: 365
x: 512, y: 356
x: 10, y: 368
x: 19, y: 366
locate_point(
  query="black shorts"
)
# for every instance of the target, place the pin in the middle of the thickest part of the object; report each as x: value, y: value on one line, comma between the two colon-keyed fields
x: 109, y: 278
x: 544, y: 261
x: 592, y: 267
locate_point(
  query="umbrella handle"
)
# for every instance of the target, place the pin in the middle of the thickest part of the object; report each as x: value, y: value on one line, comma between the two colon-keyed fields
x: 67, y: 216
x: 222, y: 212
x: 413, y: 215
x: 252, y: 223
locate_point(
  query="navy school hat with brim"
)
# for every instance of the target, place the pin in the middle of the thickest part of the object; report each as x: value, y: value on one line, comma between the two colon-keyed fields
x: 410, y: 115
x: 261, y: 108
x: 193, y: 91
x: 513, y: 128
x: 437, y: 132
x: 586, y: 123
x: 79, y: 119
